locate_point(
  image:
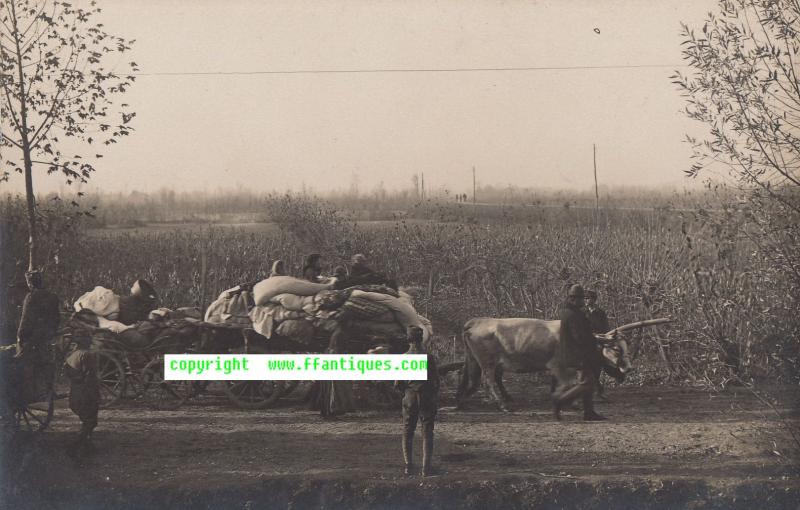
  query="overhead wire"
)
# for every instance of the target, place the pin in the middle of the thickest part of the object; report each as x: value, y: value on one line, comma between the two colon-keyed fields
x: 409, y: 70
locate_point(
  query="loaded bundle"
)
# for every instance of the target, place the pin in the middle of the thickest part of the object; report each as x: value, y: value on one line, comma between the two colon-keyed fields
x: 299, y: 309
x: 135, y: 320
x: 122, y: 310
x: 163, y: 323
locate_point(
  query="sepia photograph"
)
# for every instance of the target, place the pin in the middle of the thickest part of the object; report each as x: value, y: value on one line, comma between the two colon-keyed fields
x: 399, y: 255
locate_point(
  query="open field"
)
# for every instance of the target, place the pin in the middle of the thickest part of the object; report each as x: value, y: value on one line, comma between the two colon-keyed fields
x: 663, y: 448
x: 668, y: 444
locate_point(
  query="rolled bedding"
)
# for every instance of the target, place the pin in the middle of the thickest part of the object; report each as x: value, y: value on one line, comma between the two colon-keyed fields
x: 404, y: 313
x: 273, y: 286
x: 293, y: 302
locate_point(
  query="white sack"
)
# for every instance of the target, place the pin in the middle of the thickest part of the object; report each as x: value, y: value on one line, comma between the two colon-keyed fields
x: 271, y: 287
x: 102, y: 301
x: 293, y: 302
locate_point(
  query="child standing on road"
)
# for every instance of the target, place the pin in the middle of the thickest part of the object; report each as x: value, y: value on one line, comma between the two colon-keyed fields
x: 419, y: 404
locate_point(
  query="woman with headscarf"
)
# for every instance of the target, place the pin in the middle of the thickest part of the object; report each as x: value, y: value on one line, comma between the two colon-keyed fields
x: 335, y: 398
x: 340, y: 278
x: 312, y: 267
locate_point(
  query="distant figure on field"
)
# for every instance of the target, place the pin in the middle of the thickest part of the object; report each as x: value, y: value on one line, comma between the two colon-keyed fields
x: 419, y: 404
x: 577, y: 349
x: 84, y: 391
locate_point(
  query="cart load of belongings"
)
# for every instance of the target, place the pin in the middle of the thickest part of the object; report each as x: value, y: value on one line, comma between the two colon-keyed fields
x: 294, y: 308
x: 162, y: 325
x: 134, y: 319
x: 123, y: 309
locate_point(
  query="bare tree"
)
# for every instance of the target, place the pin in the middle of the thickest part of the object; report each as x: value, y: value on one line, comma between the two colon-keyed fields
x: 59, y: 84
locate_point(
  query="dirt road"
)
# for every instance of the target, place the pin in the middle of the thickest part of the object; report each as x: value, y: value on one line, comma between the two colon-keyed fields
x: 662, y: 448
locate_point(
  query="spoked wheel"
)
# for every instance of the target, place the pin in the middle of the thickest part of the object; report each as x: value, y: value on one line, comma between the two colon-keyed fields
x: 161, y: 394
x: 111, y: 375
x: 35, y: 416
x: 133, y: 363
x: 382, y: 394
x: 289, y: 387
x: 254, y: 394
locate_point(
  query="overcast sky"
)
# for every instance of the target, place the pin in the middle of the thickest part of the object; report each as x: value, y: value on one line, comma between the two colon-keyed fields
x: 521, y: 127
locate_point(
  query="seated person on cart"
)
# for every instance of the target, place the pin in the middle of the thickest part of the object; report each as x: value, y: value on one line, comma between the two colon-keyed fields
x: 139, y: 304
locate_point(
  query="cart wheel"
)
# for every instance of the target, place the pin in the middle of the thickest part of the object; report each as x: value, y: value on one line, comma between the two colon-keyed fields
x: 254, y: 394
x: 111, y: 376
x: 35, y: 416
x: 289, y: 387
x: 160, y: 394
x: 381, y: 394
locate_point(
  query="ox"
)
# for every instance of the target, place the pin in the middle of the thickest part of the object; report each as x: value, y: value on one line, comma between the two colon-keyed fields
x: 522, y: 346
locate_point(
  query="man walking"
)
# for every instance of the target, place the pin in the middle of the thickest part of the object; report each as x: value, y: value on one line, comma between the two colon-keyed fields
x: 577, y: 349
x: 419, y: 404
x: 84, y: 391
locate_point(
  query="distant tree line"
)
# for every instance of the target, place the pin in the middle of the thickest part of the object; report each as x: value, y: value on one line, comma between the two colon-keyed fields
x: 136, y: 208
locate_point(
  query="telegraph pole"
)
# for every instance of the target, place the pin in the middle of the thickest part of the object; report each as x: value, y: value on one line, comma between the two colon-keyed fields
x: 423, y: 185
x: 596, y: 194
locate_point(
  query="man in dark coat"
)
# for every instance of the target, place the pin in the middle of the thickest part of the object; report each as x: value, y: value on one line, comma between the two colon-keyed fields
x: 576, y: 349
x: 596, y: 315
x: 419, y: 404
x: 40, y: 317
x: 599, y: 323
x: 84, y: 393
x: 38, y: 325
